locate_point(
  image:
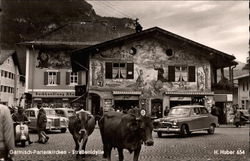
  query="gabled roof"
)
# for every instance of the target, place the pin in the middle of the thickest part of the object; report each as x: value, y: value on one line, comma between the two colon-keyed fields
x: 214, y: 55
x: 80, y: 34
x: 5, y: 54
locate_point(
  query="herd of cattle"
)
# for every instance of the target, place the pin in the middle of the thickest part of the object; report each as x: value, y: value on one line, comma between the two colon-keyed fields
x: 118, y: 130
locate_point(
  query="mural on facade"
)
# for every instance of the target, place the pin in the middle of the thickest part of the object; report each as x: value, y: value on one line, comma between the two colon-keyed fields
x: 55, y: 60
x: 151, y: 69
x: 202, y: 78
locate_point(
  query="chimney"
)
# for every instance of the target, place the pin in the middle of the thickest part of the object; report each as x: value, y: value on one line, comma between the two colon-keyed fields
x: 138, y: 27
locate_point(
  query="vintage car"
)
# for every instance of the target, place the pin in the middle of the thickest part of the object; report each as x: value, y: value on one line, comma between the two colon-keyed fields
x: 186, y: 119
x: 54, y: 122
x: 64, y: 112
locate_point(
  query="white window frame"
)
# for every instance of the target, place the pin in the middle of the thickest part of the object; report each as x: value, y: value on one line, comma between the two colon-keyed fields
x: 75, y: 78
x: 52, y: 71
x: 181, y: 74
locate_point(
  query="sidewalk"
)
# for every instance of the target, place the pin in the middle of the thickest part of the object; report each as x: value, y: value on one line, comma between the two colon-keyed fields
x: 230, y: 125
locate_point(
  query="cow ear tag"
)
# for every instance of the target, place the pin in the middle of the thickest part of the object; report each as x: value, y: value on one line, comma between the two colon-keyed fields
x: 143, y: 112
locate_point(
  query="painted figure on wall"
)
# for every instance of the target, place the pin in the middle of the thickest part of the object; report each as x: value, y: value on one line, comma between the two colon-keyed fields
x: 140, y: 80
x: 53, y: 60
x: 201, y: 79
x: 42, y: 59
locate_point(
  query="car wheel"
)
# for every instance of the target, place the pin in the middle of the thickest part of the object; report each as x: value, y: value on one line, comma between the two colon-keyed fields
x: 159, y: 134
x: 211, y: 129
x: 184, y: 131
x: 63, y: 130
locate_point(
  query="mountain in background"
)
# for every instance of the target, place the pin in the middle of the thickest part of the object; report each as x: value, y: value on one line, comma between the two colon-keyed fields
x: 28, y: 20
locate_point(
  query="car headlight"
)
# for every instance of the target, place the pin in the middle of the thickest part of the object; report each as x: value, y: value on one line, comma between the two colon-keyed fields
x: 175, y: 122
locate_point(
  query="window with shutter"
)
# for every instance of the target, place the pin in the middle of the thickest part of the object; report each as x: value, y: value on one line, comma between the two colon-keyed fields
x: 108, y: 70
x: 58, y: 78
x: 171, y: 73
x: 79, y: 78
x: 191, y: 73
x: 67, y: 78
x: 130, y: 70
x: 45, y: 78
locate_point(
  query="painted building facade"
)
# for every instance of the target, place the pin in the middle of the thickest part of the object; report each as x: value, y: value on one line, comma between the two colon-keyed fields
x: 153, y: 70
x: 50, y: 79
x: 11, y: 79
x: 243, y: 91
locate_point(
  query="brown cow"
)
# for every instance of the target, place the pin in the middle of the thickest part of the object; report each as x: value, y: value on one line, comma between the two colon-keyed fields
x: 125, y: 131
x: 81, y: 126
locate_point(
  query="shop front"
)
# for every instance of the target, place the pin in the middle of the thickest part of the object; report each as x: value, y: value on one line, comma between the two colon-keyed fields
x: 55, y: 99
x: 188, y: 98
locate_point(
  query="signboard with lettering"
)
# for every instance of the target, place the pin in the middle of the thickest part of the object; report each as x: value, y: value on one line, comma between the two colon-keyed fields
x: 54, y: 94
x: 180, y: 98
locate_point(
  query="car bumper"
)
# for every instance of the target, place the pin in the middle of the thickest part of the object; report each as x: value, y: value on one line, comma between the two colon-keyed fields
x: 167, y: 130
x: 56, y: 127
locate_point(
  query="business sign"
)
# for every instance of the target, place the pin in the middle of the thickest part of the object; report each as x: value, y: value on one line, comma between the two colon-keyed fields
x: 53, y: 94
x: 180, y: 98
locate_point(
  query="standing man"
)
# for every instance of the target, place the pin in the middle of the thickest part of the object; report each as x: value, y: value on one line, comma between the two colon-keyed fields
x: 41, y: 124
x: 6, y: 133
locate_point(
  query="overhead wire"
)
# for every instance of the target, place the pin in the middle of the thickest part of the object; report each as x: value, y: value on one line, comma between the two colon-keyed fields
x: 116, y: 9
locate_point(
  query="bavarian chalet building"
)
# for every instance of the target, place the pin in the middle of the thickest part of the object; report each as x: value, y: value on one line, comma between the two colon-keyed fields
x: 49, y: 76
x: 11, y: 79
x: 153, y: 69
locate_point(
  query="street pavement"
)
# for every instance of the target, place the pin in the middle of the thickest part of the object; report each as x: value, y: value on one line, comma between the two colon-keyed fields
x: 228, y: 143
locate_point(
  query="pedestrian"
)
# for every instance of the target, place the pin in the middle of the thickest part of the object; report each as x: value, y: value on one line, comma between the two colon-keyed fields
x: 166, y: 111
x: 7, y: 142
x: 41, y: 126
x: 20, y: 116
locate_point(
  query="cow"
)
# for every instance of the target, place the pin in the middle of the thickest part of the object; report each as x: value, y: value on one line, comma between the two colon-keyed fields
x: 125, y: 131
x: 81, y: 125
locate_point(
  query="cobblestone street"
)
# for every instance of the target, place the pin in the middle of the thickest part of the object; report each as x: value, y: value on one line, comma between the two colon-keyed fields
x: 200, y: 146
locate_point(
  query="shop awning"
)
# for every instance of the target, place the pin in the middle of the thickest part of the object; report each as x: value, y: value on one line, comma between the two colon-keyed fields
x: 126, y: 92
x: 193, y: 93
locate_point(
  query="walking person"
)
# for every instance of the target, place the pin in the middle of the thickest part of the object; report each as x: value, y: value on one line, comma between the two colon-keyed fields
x: 41, y: 126
x: 7, y: 142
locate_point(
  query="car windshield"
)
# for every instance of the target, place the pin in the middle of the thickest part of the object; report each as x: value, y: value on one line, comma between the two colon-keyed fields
x: 50, y: 112
x: 179, y: 112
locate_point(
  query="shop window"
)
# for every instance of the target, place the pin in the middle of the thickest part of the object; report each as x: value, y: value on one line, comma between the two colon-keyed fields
x: 181, y: 73
x: 51, y: 78
x: 119, y: 70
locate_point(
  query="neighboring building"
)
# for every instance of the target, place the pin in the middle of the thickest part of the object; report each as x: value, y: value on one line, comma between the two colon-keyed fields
x: 50, y: 79
x: 243, y: 91
x: 11, y: 79
x: 153, y: 69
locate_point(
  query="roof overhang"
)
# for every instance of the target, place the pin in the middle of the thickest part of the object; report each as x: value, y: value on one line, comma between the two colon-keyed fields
x: 127, y: 92
x: 217, y: 58
x: 189, y: 93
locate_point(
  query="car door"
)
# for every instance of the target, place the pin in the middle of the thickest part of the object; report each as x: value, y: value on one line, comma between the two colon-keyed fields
x: 195, y: 119
x: 205, y: 122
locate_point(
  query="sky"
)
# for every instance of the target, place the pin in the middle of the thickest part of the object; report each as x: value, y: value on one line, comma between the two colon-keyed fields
x: 222, y: 25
